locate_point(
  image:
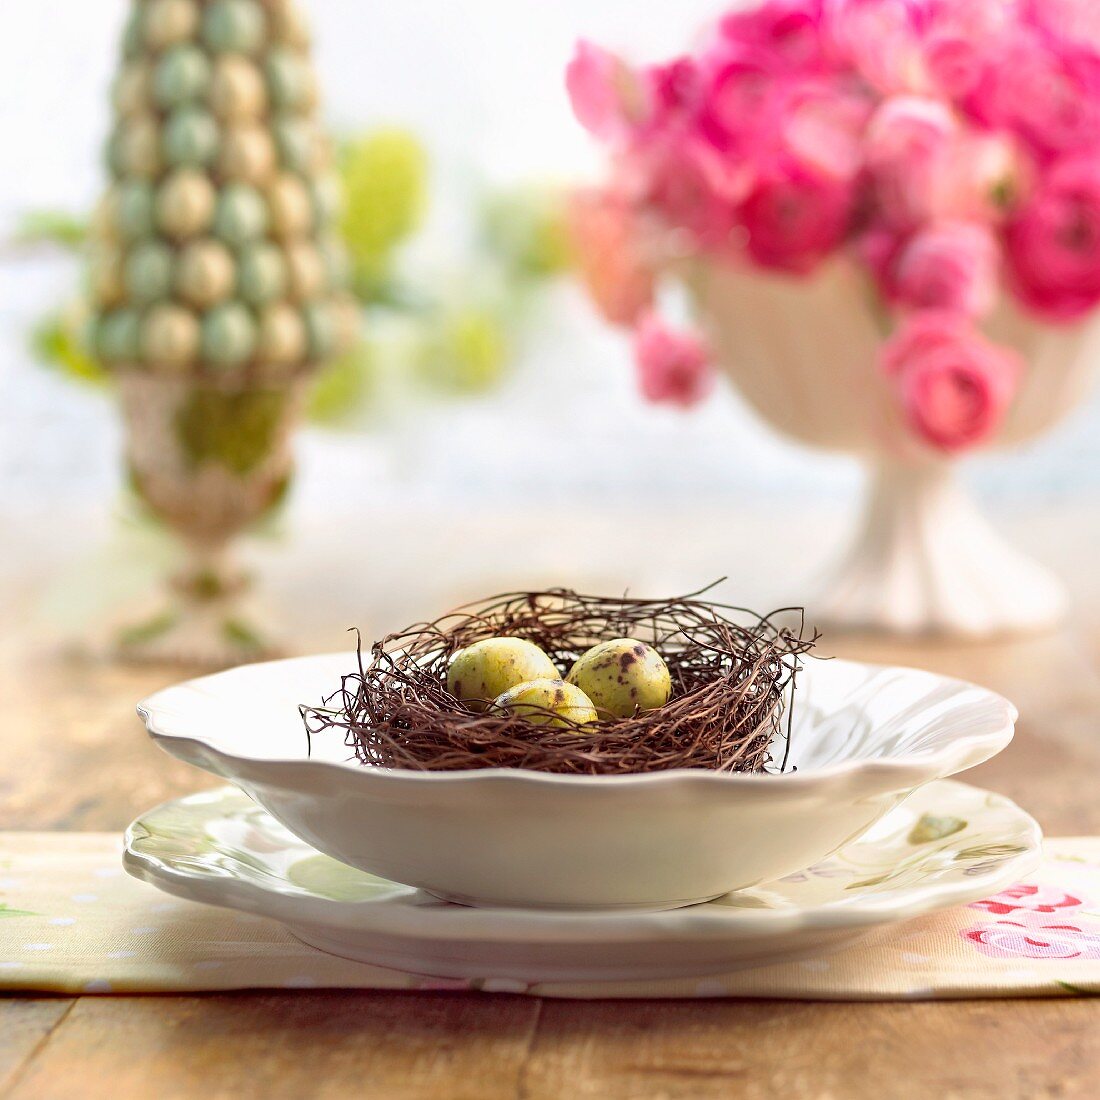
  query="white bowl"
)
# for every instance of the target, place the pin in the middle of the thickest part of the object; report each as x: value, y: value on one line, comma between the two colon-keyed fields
x: 864, y: 737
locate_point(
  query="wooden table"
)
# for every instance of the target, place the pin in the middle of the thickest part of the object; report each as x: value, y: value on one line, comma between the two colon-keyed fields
x: 77, y: 759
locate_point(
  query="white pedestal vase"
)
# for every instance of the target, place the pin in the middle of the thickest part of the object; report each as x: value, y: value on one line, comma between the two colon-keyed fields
x: 803, y: 352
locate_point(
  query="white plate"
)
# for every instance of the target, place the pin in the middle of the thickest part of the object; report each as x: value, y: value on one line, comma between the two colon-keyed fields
x: 864, y: 737
x: 947, y: 844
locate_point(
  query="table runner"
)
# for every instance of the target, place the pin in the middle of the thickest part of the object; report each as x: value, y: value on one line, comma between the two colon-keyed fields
x: 72, y: 921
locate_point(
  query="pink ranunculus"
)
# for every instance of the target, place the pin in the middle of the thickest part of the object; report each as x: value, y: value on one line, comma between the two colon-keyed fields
x: 821, y: 126
x: 673, y: 365
x: 1029, y: 897
x: 950, y: 266
x: 789, y: 31
x: 1045, y: 90
x: 910, y: 154
x: 954, y: 385
x: 794, y: 218
x: 610, y: 253
x: 609, y: 98
x: 961, y: 40
x: 1053, y: 242
x: 736, y: 94
x: 1016, y: 940
x: 880, y: 39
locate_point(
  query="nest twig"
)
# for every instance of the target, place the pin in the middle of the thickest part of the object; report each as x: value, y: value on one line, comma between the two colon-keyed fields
x: 731, y: 686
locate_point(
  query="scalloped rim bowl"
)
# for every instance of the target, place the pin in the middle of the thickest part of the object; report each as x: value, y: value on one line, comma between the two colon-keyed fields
x: 864, y: 737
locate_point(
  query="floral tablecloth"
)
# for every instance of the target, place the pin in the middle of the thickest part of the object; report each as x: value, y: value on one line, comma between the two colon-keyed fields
x: 72, y: 921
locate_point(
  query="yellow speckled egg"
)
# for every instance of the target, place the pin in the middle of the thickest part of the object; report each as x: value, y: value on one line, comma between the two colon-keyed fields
x: 306, y: 270
x: 131, y: 91
x: 185, y: 204
x: 548, y: 703
x: 481, y: 672
x: 169, y: 338
x: 167, y: 22
x: 622, y: 676
x: 282, y: 340
x: 237, y: 89
x: 247, y: 154
x: 291, y: 207
x: 134, y: 149
x: 346, y: 318
x: 205, y: 273
x: 288, y: 23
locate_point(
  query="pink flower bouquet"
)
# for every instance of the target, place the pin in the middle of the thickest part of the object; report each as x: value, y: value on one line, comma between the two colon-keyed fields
x: 950, y: 147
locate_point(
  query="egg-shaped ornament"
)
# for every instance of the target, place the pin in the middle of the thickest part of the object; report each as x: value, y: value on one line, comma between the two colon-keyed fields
x: 240, y: 215
x: 548, y: 703
x: 228, y: 336
x: 247, y: 154
x: 294, y: 140
x: 169, y: 338
x: 287, y: 23
x: 291, y: 206
x: 106, y: 286
x: 328, y: 199
x: 134, y: 210
x: 165, y: 23
x: 321, y: 331
x: 118, y: 337
x: 185, y: 204
x: 205, y: 273
x: 134, y: 147
x: 290, y: 80
x: 263, y: 273
x: 623, y: 676
x: 234, y: 26
x: 131, y: 92
x: 181, y: 76
x: 238, y: 91
x: 282, y: 337
x: 148, y: 272
x: 307, y: 272
x: 190, y: 138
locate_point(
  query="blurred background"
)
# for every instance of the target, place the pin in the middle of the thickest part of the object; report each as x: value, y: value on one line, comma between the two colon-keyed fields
x: 528, y: 457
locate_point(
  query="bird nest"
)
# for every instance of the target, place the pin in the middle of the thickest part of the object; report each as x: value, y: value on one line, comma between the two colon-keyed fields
x: 733, y: 676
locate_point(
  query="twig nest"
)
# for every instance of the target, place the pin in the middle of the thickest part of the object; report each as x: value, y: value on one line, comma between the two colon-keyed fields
x: 548, y: 703
x: 484, y: 671
x: 420, y: 702
x: 622, y: 677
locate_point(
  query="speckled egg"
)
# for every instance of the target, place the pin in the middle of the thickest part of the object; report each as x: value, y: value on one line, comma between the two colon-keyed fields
x: 262, y: 273
x: 328, y: 199
x: 234, y: 26
x: 181, y: 76
x: 548, y: 702
x: 291, y: 209
x: 169, y: 338
x: 320, y: 329
x: 167, y: 22
x: 282, y: 340
x: 134, y: 148
x: 228, y: 335
x: 117, y: 338
x: 623, y: 676
x: 237, y: 89
x: 133, y: 210
x: 247, y: 154
x: 240, y: 215
x: 133, y: 34
x: 190, y: 137
x: 185, y: 204
x: 288, y: 23
x: 148, y: 272
x: 306, y: 271
x: 205, y: 273
x: 484, y: 670
x: 290, y: 81
x: 131, y: 93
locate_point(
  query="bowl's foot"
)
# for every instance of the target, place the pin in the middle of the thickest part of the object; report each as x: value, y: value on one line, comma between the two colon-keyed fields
x: 926, y: 562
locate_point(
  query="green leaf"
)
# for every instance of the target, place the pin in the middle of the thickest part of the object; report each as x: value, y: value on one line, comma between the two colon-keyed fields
x: 8, y: 911
x: 54, y: 227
